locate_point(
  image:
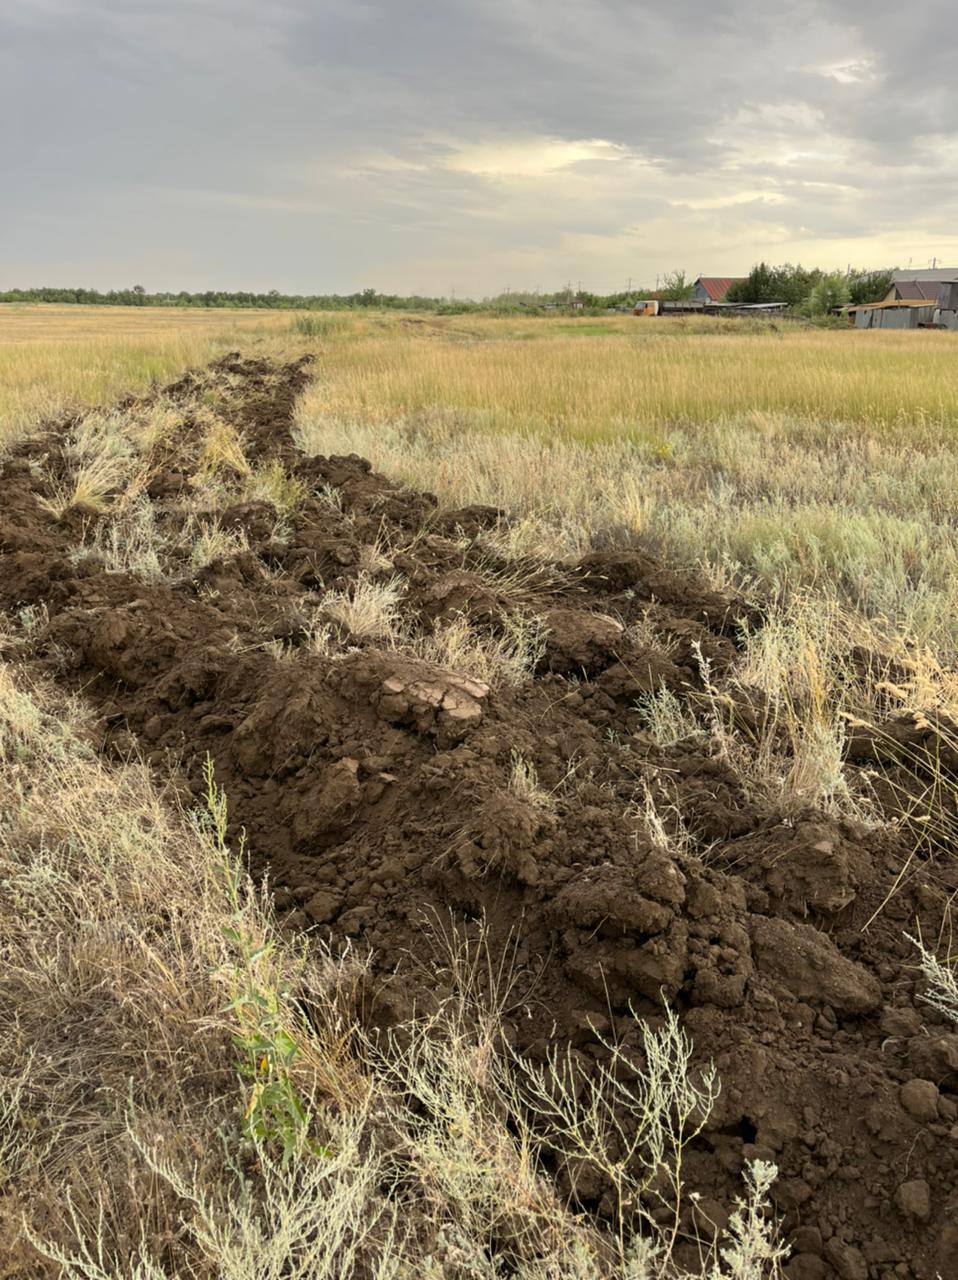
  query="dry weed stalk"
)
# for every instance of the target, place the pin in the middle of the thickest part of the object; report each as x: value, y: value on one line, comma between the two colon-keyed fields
x: 131, y: 1148
x: 524, y: 783
x: 941, y: 978
x: 668, y: 718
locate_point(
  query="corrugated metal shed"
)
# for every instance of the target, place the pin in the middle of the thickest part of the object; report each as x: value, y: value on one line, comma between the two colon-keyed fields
x: 888, y: 304
x: 894, y: 314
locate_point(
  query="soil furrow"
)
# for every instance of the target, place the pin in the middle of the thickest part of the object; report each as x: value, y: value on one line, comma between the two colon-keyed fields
x: 397, y: 785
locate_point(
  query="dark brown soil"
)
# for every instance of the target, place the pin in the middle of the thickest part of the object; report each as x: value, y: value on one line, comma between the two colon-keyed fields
x: 374, y: 790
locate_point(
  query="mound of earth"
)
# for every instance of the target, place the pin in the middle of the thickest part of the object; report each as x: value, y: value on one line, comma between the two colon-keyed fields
x: 382, y: 788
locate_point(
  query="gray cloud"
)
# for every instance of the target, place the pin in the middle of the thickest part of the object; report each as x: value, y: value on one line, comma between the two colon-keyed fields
x: 469, y: 144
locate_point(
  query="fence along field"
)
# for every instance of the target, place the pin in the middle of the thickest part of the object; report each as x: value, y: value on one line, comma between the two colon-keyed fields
x: 620, y: 719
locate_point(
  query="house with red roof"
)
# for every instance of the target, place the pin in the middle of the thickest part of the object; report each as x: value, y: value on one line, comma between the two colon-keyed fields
x: 714, y: 288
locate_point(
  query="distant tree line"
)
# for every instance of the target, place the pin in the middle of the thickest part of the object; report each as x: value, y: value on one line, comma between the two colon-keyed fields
x: 809, y: 292
x: 137, y: 296
x: 506, y: 303
x: 509, y: 302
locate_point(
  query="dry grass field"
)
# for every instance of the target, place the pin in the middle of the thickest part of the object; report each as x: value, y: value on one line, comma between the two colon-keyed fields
x: 491, y: 756
x: 53, y: 358
x: 599, y: 378
x: 780, y: 455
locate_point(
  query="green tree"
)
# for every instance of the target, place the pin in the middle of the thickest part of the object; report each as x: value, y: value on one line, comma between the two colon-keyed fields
x: 675, y: 287
x: 830, y: 293
x: 756, y: 287
x: 786, y: 283
x: 868, y: 286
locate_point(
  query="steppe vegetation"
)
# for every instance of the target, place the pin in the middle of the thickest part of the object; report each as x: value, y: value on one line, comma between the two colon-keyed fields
x: 53, y: 358
x: 191, y: 1089
x: 775, y: 455
x: 170, y: 1059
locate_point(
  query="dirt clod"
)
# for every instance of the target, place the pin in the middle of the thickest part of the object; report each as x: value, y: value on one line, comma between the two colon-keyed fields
x: 914, y: 1199
x: 920, y: 1099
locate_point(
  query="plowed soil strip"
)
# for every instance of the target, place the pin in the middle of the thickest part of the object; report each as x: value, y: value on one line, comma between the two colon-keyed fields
x: 391, y: 796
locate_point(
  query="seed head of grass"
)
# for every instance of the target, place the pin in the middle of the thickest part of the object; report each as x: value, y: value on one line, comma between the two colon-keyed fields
x: 524, y: 783
x: 370, y: 609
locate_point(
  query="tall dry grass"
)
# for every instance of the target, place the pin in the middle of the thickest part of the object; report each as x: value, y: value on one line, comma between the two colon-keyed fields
x: 53, y: 359
x: 638, y: 379
x: 797, y: 458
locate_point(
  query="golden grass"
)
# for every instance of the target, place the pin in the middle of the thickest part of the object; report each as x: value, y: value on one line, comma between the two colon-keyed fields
x: 631, y: 378
x: 783, y: 457
x: 53, y: 358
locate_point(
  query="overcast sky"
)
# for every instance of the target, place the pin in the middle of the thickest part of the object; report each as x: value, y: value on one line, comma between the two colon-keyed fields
x: 470, y: 145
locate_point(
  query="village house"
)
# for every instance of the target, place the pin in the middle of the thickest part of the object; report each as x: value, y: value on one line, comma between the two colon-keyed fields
x: 923, y: 286
x: 713, y: 289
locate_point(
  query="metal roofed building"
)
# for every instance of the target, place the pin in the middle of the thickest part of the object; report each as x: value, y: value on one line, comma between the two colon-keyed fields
x: 924, y: 286
x: 936, y: 288
x: 895, y: 313
x: 710, y: 289
x: 913, y: 291
x: 936, y: 275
